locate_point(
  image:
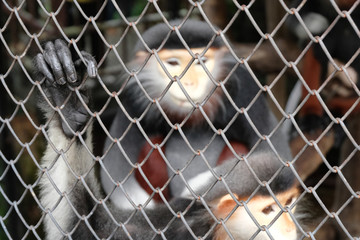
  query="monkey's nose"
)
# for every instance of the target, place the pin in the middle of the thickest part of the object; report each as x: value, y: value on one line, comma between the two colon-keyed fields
x: 189, y: 83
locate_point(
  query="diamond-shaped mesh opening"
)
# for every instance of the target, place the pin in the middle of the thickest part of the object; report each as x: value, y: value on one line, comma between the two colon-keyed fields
x: 266, y: 148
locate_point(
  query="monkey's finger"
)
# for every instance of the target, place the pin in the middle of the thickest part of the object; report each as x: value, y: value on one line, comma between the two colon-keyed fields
x: 42, y: 67
x: 91, y: 64
x: 65, y: 58
x: 52, y: 59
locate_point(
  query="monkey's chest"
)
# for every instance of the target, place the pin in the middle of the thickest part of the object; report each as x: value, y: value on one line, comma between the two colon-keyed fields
x: 182, y: 157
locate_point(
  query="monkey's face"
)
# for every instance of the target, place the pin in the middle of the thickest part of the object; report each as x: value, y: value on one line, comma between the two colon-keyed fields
x: 181, y: 82
x: 192, y: 78
x: 264, y: 210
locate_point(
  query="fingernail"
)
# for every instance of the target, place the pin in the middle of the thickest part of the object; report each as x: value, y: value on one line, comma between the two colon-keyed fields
x: 92, y: 70
x: 72, y: 78
x: 61, y: 81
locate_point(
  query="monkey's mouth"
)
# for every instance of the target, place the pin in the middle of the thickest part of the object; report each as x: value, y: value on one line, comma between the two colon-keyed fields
x: 183, y: 102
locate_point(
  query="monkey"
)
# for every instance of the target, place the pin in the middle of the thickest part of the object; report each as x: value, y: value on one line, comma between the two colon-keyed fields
x: 188, y: 95
x: 262, y: 205
x: 71, y: 195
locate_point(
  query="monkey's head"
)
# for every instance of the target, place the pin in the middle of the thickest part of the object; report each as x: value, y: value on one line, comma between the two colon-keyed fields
x: 182, y: 69
x: 250, y: 207
x: 265, y: 207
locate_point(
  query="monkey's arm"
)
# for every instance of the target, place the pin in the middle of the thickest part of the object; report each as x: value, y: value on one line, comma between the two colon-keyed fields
x: 67, y: 163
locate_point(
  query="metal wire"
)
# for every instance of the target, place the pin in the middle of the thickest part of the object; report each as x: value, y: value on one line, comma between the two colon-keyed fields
x: 10, y: 169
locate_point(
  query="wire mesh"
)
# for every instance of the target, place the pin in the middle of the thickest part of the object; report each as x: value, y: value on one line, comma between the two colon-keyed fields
x: 333, y: 191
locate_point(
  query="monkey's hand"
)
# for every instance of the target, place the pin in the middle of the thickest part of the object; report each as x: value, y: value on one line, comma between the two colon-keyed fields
x: 63, y: 85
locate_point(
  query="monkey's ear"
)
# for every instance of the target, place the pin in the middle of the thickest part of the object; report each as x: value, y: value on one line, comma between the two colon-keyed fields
x: 224, y: 205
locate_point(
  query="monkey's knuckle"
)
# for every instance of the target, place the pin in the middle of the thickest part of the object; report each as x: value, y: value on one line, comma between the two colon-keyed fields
x: 60, y: 42
x: 49, y: 45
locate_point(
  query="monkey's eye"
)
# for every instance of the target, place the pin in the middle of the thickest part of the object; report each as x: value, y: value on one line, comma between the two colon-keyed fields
x: 290, y: 201
x: 269, y: 209
x: 173, y: 61
x: 203, y: 59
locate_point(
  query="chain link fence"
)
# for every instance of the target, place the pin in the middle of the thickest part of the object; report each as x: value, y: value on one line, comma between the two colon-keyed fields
x: 304, y: 54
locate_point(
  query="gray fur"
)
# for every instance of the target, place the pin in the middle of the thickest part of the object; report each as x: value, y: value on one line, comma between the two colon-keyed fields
x: 243, y: 177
